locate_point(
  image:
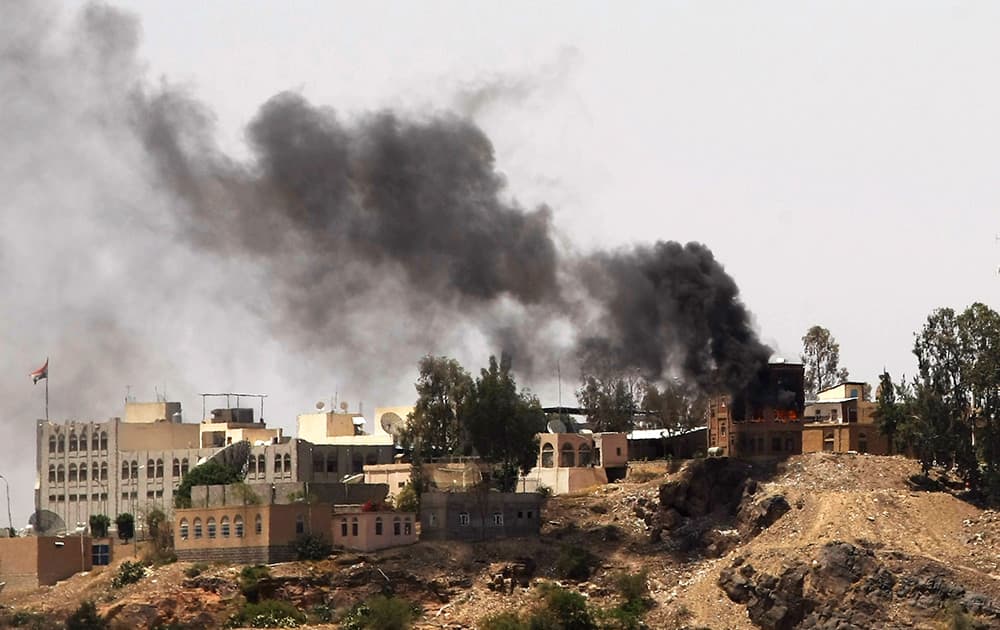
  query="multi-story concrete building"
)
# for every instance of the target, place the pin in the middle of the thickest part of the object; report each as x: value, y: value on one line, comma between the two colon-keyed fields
x: 136, y: 463
x: 765, y: 420
x: 114, y: 466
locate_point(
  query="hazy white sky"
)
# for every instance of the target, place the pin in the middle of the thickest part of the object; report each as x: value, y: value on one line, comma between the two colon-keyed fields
x: 839, y: 158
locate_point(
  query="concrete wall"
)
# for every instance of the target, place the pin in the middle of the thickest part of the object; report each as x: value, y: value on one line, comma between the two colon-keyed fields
x: 157, y: 436
x: 471, y: 515
x: 280, y: 525
x: 151, y: 411
x: 367, y: 537
x: 564, y: 480
x: 286, y: 493
x: 395, y: 476
x: 613, y: 449
x: 841, y: 438
x: 765, y: 439
x: 316, y: 427
x: 29, y: 562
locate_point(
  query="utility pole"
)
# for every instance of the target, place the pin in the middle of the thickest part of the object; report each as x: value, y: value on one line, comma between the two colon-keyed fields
x: 10, y: 521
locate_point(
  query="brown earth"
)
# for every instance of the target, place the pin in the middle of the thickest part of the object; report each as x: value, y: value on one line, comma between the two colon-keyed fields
x: 857, y: 547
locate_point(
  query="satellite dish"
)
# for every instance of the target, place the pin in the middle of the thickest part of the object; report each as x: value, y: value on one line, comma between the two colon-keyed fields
x: 556, y: 426
x: 46, y: 522
x: 320, y: 404
x: 392, y: 424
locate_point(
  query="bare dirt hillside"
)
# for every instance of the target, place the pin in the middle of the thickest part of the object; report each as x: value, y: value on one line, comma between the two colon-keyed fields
x: 818, y: 541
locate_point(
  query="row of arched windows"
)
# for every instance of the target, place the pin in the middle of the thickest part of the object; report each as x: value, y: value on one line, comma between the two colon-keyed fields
x: 154, y: 469
x: 57, y: 443
x: 568, y: 456
x: 57, y: 474
x: 258, y: 465
x: 223, y: 529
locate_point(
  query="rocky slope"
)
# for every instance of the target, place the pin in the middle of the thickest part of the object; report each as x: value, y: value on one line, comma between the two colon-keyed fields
x: 819, y: 541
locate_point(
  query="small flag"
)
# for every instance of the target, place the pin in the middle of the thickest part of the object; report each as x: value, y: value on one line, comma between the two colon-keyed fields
x: 40, y: 373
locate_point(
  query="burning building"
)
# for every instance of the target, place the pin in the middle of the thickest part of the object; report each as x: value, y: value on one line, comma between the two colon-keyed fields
x: 764, y: 419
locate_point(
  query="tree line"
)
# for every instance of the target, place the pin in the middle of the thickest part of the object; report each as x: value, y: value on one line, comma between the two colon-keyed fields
x: 949, y: 413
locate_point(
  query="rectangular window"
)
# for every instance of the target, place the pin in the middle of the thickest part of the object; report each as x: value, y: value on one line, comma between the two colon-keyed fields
x: 407, y: 528
x: 378, y: 527
x: 401, y: 484
x: 463, y: 518
x: 354, y: 528
x: 100, y: 554
x: 776, y: 444
x: 432, y: 520
x: 343, y: 528
x: 529, y: 513
x: 498, y: 519
x: 395, y: 528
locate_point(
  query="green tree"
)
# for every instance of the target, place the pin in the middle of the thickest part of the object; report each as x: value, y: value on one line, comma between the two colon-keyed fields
x: 207, y: 474
x: 675, y: 406
x: 503, y: 423
x: 821, y: 358
x: 99, y: 524
x: 434, y: 428
x: 610, y: 400
x: 125, y: 523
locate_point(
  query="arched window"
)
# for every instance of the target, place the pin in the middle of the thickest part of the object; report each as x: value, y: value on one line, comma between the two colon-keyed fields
x: 252, y: 465
x: 104, y: 471
x: 177, y: 467
x: 357, y: 463
x: 567, y: 456
x: 354, y: 526
x: 258, y: 525
x: 300, y: 524
x: 277, y: 463
x: 378, y: 525
x: 407, y: 526
x: 73, y: 444
x: 318, y: 463
x: 95, y: 472
x: 52, y: 473
x: 343, y: 527
x: 371, y: 459
x: 238, y: 526
x: 95, y: 442
x: 61, y: 443
x: 261, y: 465
x: 124, y: 470
x: 585, y: 454
x: 150, y: 469
x: 197, y: 527
x: 83, y: 472
x: 83, y: 441
x: 159, y: 469
x: 224, y: 524
x: 332, y: 465
x: 184, y: 529
x: 104, y: 440
x: 548, y: 460
x: 210, y: 526
x: 135, y: 469
x: 287, y: 461
x: 184, y: 466
x: 52, y: 444
x: 396, y: 525
x: 60, y: 474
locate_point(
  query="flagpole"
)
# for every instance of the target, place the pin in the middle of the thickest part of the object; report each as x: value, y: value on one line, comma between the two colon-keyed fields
x: 46, y: 389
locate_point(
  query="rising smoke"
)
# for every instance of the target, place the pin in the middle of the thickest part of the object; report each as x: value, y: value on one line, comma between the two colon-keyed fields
x: 356, y: 243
